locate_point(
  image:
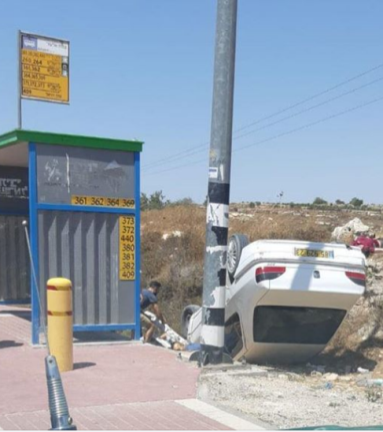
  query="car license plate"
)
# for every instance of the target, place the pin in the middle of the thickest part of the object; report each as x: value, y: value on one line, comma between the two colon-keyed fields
x: 314, y: 253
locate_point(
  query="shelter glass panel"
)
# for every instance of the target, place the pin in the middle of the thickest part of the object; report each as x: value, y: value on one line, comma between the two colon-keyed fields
x: 84, y: 247
x: 83, y: 176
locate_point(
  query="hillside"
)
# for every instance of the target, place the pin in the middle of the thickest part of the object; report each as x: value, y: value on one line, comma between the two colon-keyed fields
x: 173, y: 251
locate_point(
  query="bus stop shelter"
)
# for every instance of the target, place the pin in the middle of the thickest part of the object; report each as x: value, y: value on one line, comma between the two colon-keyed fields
x: 81, y: 196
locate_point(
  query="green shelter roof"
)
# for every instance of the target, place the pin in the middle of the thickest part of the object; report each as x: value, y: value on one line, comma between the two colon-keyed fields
x: 21, y: 136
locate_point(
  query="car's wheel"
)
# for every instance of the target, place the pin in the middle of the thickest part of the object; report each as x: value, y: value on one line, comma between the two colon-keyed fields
x: 185, y: 318
x: 236, y: 243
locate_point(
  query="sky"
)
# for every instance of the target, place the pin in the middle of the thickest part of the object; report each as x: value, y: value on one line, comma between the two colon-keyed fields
x: 308, y: 97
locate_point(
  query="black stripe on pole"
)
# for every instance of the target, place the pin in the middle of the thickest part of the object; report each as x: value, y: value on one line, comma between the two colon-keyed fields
x: 215, y: 317
x: 219, y: 193
x: 222, y: 277
x: 221, y: 234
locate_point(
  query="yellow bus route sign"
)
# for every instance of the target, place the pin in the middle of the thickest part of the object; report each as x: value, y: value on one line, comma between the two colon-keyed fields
x: 127, y: 248
x: 98, y: 201
x: 44, y: 68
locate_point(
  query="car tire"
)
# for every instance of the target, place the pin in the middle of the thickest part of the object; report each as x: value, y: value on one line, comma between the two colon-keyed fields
x: 234, y: 250
x: 185, y: 318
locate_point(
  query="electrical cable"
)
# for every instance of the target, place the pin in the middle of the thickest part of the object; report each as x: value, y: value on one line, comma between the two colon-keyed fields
x: 291, y: 131
x: 196, y: 151
x: 310, y: 108
x: 201, y: 147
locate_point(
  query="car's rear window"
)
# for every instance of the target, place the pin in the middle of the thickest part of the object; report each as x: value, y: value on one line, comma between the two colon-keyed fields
x: 295, y: 325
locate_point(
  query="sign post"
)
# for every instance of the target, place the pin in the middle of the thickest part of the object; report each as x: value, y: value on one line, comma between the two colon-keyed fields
x: 43, y: 69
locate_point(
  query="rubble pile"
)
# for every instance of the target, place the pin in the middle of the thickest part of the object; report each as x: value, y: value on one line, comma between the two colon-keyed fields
x: 347, y: 232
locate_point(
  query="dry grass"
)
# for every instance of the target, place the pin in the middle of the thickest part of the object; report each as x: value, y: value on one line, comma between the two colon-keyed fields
x: 359, y: 341
x: 177, y: 262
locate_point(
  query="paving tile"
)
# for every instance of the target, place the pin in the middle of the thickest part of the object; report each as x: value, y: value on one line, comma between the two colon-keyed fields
x: 114, y: 387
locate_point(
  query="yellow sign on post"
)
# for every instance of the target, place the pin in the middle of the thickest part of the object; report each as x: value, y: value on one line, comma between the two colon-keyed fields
x: 44, y: 68
x: 127, y: 241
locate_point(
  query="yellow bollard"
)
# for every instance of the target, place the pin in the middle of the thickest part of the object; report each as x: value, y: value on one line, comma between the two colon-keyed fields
x: 60, y: 322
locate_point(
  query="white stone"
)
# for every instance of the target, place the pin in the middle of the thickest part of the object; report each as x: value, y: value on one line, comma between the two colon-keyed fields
x: 173, y: 234
x: 346, y: 233
x: 330, y: 376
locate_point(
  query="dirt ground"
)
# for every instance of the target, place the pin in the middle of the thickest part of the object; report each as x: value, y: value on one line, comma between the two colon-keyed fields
x: 329, y: 390
x: 296, y: 397
x: 341, y: 386
x: 173, y: 252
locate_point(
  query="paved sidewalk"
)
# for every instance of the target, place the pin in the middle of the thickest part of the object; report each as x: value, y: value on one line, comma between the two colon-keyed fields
x: 124, y: 386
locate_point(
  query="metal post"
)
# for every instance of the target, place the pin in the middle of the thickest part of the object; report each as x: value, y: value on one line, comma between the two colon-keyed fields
x: 214, y: 296
x: 58, y: 406
x: 60, y: 322
x: 19, y: 102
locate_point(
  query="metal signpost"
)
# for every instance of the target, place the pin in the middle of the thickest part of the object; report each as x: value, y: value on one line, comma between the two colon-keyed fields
x: 43, y: 70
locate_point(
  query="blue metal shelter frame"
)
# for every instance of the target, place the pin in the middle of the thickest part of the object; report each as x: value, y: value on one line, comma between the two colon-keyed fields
x: 34, y: 208
x: 31, y: 138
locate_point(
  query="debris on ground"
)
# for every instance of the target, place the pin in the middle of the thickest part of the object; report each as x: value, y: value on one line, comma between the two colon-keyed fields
x: 345, y: 380
x: 295, y: 398
x: 346, y: 233
x: 164, y: 334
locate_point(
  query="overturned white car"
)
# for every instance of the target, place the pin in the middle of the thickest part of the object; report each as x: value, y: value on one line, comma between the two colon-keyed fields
x: 285, y: 299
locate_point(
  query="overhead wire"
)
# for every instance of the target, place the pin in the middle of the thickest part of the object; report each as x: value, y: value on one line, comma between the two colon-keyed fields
x: 309, y: 98
x: 289, y: 132
x: 327, y: 101
x: 305, y: 110
x: 197, y: 149
x: 313, y: 123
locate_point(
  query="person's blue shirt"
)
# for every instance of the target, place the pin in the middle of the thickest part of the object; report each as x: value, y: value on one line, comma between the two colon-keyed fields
x: 148, y: 298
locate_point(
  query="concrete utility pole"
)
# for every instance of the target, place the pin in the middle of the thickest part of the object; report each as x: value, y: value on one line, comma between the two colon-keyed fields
x: 214, y: 296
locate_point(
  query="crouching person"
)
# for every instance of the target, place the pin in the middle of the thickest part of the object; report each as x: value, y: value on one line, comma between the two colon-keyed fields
x: 149, y: 301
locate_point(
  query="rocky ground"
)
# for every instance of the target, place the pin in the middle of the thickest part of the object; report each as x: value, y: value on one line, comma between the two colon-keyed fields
x: 173, y: 241
x: 296, y: 397
x: 342, y: 386
x: 330, y: 390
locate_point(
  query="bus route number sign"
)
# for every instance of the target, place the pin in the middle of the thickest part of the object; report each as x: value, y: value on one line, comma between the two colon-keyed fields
x: 127, y: 246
